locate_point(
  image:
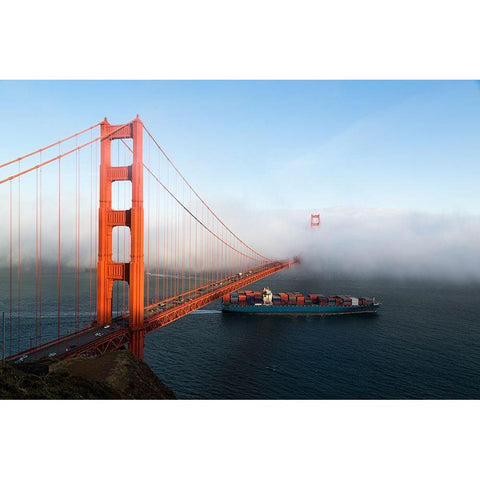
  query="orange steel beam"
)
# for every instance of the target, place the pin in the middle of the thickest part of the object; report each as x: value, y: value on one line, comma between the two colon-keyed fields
x: 158, y: 320
x: 108, y: 343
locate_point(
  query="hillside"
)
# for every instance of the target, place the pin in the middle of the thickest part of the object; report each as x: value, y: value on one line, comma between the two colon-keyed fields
x: 114, y: 375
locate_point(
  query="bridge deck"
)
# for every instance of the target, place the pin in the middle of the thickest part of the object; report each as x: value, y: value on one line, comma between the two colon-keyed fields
x: 95, y: 340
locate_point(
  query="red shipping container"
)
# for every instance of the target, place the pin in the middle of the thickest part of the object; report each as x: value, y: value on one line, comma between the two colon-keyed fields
x: 300, y: 300
x: 226, y: 298
x: 242, y: 298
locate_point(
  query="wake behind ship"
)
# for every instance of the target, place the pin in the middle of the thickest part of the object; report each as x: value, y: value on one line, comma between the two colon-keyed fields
x: 296, y: 303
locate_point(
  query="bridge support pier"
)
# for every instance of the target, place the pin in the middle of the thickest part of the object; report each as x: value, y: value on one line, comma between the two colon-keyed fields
x: 137, y: 342
x: 109, y: 271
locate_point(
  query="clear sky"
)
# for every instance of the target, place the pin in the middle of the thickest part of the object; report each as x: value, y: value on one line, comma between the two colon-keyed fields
x: 410, y: 145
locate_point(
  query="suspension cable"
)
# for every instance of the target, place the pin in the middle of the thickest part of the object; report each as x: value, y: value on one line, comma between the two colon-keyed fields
x: 196, y: 218
x: 40, y: 165
x: 48, y: 146
x: 200, y: 198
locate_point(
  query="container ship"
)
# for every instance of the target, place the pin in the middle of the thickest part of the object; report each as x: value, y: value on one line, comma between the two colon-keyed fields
x: 296, y: 303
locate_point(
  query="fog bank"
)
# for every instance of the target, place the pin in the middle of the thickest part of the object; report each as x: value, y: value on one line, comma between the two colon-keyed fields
x: 351, y: 241
x: 370, y: 242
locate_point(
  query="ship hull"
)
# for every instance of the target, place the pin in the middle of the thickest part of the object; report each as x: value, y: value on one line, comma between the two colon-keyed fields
x: 300, y: 309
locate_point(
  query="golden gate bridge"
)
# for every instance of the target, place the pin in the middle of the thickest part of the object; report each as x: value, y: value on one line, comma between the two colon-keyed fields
x: 104, y: 241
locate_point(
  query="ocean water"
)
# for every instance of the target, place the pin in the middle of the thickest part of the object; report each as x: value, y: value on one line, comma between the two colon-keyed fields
x: 423, y: 344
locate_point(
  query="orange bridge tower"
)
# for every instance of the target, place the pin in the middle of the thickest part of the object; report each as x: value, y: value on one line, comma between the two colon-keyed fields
x: 315, y: 220
x: 109, y: 271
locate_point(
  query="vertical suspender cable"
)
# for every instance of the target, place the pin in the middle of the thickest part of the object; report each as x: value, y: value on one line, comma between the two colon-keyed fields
x: 95, y: 223
x: 90, y: 265
x: 175, y: 255
x: 40, y: 260
x: 36, y: 257
x: 124, y: 229
x: 148, y: 233
x: 59, y: 248
x: 75, y: 298
x: 117, y: 256
x: 165, y: 245
x: 79, y: 234
x: 10, y: 267
x: 157, y: 248
x: 182, y: 233
x: 190, y: 258
x: 18, y: 266
x: 196, y: 248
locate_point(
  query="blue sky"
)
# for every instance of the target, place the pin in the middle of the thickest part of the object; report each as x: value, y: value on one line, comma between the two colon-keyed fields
x: 410, y: 145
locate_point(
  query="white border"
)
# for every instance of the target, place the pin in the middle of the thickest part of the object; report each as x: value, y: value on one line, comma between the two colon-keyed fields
x: 242, y: 40
x: 252, y: 39
x: 238, y: 440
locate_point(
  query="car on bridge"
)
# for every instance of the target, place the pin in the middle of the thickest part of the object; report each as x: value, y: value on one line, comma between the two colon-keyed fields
x: 21, y: 359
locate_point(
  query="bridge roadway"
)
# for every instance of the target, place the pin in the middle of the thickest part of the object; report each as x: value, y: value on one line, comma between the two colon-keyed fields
x: 96, y: 339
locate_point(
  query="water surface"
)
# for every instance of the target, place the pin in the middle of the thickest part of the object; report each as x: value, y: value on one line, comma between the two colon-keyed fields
x: 423, y: 343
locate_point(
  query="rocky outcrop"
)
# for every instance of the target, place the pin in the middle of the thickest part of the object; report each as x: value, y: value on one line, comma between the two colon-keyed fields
x: 114, y: 375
